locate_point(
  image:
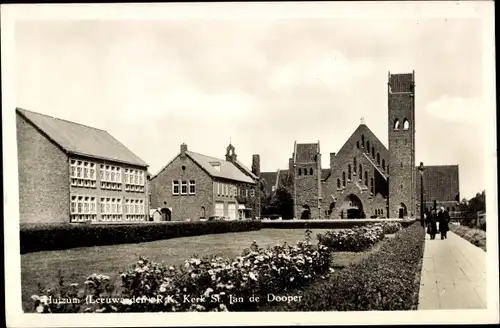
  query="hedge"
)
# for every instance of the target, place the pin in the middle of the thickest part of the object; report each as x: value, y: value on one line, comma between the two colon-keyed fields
x: 387, y: 280
x: 328, y: 224
x: 47, y: 237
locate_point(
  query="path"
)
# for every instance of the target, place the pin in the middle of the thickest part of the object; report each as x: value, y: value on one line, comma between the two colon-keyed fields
x: 453, y: 275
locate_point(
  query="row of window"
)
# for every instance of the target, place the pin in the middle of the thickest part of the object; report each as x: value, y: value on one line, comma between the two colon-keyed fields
x: 379, y: 212
x: 181, y: 187
x: 107, y: 217
x: 83, y: 174
x: 343, y: 183
x: 406, y: 124
x: 305, y: 171
x: 377, y: 156
x: 228, y: 190
x: 87, y: 205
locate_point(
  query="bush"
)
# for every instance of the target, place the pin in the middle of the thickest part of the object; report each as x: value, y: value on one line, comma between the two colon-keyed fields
x: 387, y: 280
x: 63, y: 236
x: 206, y: 283
x: 329, y: 224
x: 356, y: 239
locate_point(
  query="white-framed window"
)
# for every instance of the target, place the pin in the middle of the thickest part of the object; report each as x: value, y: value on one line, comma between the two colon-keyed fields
x: 134, y: 180
x: 82, y: 173
x: 110, y: 177
x: 218, y: 188
x: 111, y: 208
x: 184, y: 187
x: 175, y: 187
x: 83, y: 208
x: 192, y: 187
x: 135, y: 209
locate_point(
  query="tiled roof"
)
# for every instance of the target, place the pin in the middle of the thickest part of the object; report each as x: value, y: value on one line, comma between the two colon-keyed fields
x: 401, y: 82
x: 81, y: 139
x: 441, y: 182
x: 306, y: 152
x: 246, y: 169
x: 325, y: 173
x: 227, y: 169
x: 269, y: 179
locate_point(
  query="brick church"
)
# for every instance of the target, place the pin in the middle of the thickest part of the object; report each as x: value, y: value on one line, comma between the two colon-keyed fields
x: 365, y: 178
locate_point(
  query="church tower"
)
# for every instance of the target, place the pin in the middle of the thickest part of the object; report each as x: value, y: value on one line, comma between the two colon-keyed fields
x: 402, y: 183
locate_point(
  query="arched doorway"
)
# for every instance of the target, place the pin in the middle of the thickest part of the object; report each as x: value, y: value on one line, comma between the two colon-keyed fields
x: 166, y: 214
x: 402, y: 211
x: 352, y: 207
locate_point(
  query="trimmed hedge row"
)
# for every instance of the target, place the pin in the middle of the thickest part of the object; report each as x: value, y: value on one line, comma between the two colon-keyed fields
x: 384, y: 281
x: 63, y: 236
x: 328, y: 224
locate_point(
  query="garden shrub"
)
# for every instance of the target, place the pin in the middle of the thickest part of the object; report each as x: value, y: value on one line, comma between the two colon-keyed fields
x: 206, y: 283
x: 329, y: 224
x: 63, y: 236
x: 384, y: 281
x: 357, y: 239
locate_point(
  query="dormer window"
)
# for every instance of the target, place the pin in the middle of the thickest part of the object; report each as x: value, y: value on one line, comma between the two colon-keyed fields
x: 216, y: 166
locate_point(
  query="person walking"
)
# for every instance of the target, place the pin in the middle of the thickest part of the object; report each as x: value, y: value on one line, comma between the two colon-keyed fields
x: 432, y: 224
x: 444, y: 220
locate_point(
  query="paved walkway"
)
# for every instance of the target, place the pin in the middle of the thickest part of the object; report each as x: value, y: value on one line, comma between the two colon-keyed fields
x: 453, y: 275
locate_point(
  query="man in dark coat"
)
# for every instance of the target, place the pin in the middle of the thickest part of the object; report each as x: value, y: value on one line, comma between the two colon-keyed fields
x: 444, y: 220
x: 431, y: 224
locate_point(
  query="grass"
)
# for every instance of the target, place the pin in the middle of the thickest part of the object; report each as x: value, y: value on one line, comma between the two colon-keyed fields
x: 78, y: 263
x: 476, y: 237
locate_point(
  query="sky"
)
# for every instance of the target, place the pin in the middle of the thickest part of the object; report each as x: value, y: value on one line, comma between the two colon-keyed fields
x: 260, y: 83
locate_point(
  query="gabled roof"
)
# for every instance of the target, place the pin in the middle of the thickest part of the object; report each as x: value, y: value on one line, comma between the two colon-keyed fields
x: 227, y: 169
x: 81, y: 139
x: 246, y: 169
x: 384, y: 175
x: 306, y: 152
x: 363, y: 129
x: 269, y: 179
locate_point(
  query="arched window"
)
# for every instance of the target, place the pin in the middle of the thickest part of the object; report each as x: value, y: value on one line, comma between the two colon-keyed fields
x: 360, y: 172
x: 354, y: 165
x: 338, y: 183
x: 406, y: 124
x: 349, y: 172
x: 373, y: 152
x: 311, y: 171
x: 305, y: 171
x: 371, y: 185
x: 453, y: 209
x: 343, y: 179
x: 357, y: 144
x: 366, y: 178
x: 448, y: 209
x: 378, y: 158
x: 396, y: 124
x: 362, y: 140
x: 368, y: 147
x: 383, y: 164
x: 300, y: 171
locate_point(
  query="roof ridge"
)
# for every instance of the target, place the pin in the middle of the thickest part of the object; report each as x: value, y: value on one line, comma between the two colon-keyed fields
x: 219, y: 159
x: 60, y: 119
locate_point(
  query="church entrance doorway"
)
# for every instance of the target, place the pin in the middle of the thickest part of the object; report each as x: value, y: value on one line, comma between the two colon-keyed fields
x: 353, y: 207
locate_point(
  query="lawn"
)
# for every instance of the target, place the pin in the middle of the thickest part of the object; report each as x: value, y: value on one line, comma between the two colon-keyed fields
x: 476, y: 237
x: 78, y: 263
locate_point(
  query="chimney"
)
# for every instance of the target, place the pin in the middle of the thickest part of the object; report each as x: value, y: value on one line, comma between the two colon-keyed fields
x: 332, y: 160
x: 184, y: 149
x: 256, y: 165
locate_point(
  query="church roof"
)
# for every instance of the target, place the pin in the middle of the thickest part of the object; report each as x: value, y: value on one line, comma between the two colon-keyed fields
x: 81, y: 139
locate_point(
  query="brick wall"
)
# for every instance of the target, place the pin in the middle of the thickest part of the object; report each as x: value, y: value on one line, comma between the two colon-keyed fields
x: 43, y: 177
x: 401, y: 153
x: 183, y: 206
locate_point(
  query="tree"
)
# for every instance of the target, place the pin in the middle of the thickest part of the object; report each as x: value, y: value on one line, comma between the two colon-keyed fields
x: 282, y: 203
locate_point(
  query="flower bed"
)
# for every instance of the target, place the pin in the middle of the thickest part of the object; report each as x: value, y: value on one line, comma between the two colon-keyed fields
x: 329, y: 224
x: 357, y: 239
x: 384, y: 281
x: 63, y: 236
x: 208, y: 284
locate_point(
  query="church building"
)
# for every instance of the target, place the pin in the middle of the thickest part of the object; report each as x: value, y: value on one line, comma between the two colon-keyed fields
x: 365, y: 179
